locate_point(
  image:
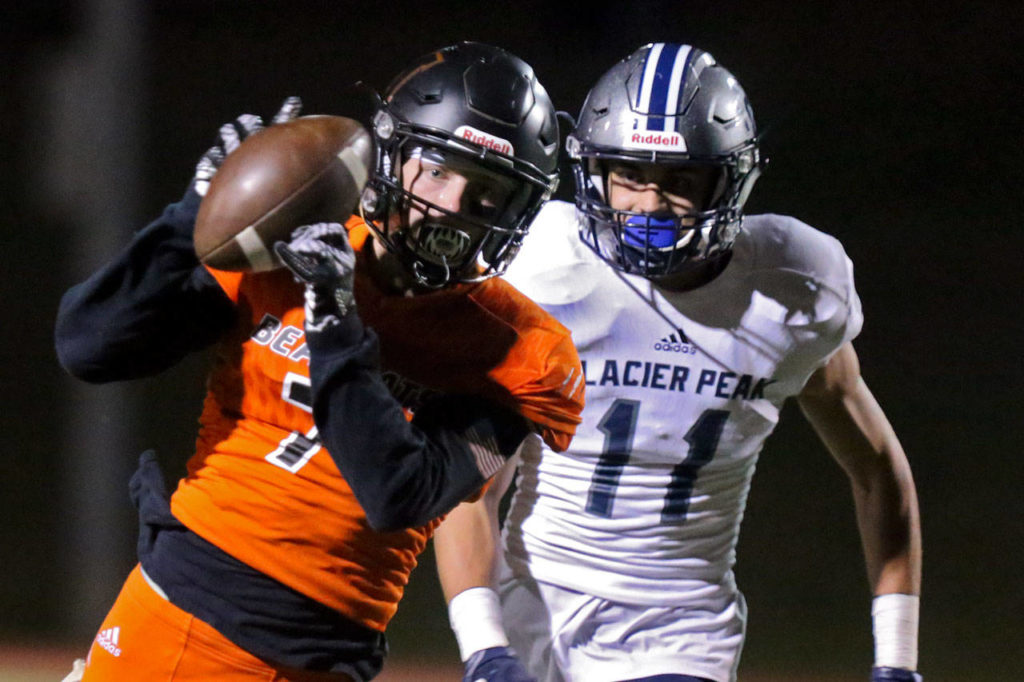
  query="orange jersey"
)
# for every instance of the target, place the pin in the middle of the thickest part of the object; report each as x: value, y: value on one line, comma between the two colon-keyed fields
x: 262, y: 489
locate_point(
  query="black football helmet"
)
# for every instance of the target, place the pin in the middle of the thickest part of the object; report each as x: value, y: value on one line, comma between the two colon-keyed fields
x: 672, y: 104
x: 481, y: 104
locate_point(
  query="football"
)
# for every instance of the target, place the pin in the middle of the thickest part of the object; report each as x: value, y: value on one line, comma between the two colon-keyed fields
x: 308, y: 170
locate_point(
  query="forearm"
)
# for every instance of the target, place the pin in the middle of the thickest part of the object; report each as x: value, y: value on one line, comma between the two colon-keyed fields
x: 856, y: 431
x: 889, y: 524
x: 403, y: 473
x: 146, y: 309
x: 887, y: 516
x: 468, y: 543
x: 466, y: 548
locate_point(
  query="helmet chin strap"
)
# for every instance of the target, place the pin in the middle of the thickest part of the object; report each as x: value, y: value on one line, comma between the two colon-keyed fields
x: 423, y: 280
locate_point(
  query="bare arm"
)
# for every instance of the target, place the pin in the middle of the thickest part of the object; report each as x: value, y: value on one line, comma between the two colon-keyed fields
x: 852, y: 425
x: 467, y: 543
x: 467, y: 546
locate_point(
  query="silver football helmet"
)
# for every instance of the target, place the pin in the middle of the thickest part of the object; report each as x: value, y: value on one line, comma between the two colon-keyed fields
x: 664, y: 104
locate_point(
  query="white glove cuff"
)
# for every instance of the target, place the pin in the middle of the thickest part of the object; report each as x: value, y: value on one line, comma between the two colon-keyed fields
x: 475, y: 616
x: 895, y: 621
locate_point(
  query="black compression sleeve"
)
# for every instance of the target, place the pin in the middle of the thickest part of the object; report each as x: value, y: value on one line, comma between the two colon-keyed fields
x: 145, y: 310
x: 403, y: 473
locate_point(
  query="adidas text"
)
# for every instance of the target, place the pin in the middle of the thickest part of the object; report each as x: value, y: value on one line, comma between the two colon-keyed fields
x: 674, y: 347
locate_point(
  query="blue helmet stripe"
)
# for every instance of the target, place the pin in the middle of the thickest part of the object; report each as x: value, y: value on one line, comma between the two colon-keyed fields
x: 658, y: 109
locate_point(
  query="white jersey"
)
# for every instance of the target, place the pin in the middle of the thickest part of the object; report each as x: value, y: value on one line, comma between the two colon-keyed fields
x: 682, y: 389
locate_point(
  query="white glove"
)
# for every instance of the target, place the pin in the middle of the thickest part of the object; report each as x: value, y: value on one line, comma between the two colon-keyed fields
x: 231, y: 135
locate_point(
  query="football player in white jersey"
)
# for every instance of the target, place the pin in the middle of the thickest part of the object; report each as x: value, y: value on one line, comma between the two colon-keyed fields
x: 694, y: 323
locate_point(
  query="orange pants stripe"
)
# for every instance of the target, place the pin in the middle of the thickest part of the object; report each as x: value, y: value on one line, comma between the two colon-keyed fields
x: 145, y: 637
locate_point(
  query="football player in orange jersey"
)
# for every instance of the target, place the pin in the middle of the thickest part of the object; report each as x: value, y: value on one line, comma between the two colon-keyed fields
x: 354, y: 398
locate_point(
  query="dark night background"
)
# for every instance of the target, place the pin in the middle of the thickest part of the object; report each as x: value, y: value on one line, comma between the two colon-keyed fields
x: 894, y: 126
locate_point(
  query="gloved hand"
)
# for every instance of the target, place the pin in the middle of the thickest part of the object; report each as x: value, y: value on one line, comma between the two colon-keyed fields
x: 320, y: 256
x: 231, y: 135
x: 895, y: 675
x: 497, y: 664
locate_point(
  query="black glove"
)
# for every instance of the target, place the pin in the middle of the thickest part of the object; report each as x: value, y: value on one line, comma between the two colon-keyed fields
x: 497, y: 664
x: 230, y: 136
x: 895, y: 675
x: 320, y: 257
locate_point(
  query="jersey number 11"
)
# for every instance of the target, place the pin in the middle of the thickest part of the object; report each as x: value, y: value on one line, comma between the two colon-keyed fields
x: 619, y: 426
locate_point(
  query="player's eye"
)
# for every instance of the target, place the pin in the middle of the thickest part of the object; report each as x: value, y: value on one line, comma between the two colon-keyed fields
x: 483, y: 205
x: 627, y: 175
x: 434, y: 171
x: 487, y: 209
x: 679, y: 185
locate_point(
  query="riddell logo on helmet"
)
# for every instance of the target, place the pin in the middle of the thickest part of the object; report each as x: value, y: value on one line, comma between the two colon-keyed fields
x: 483, y: 139
x: 672, y: 141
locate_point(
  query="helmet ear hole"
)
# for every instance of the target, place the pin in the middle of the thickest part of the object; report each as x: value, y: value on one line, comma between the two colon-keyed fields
x: 369, y: 203
x: 383, y: 125
x: 746, y: 185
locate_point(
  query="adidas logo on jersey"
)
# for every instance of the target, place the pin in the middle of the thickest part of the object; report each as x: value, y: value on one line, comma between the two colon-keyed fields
x: 108, y: 640
x: 675, y: 343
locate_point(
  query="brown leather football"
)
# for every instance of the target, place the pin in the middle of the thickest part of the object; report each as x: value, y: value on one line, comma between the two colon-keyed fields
x: 305, y: 171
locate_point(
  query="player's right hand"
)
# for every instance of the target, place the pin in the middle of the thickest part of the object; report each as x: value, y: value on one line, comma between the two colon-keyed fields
x: 321, y: 257
x: 231, y: 135
x: 894, y: 675
x: 497, y: 664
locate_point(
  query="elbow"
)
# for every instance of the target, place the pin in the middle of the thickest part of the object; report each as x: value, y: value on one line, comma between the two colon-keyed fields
x: 90, y: 374
x: 390, y: 518
x: 79, y: 360
x: 93, y: 358
x: 400, y: 504
x: 74, y: 352
x: 388, y: 497
x: 387, y: 524
x: 400, y: 514
x: 96, y: 357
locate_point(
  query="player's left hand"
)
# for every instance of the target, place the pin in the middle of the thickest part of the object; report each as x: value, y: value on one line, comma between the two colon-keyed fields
x: 497, y: 664
x: 895, y: 675
x: 321, y: 257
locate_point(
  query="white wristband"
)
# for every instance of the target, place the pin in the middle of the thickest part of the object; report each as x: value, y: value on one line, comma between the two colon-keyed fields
x: 895, y: 619
x: 475, y: 616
